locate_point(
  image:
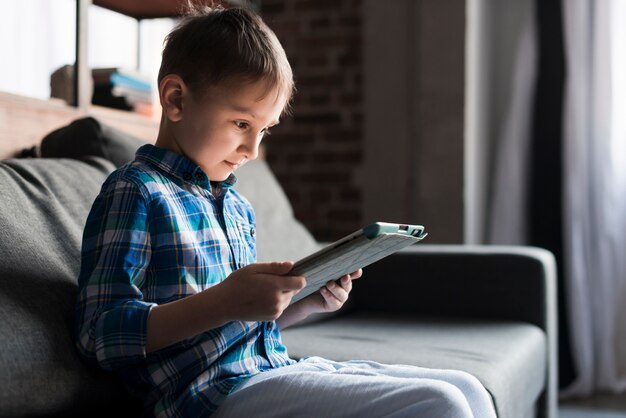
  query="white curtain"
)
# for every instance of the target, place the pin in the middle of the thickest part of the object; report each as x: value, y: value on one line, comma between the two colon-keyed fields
x: 39, y: 36
x: 594, y: 183
x: 507, y: 222
x: 595, y: 192
x: 36, y: 38
x: 501, y: 70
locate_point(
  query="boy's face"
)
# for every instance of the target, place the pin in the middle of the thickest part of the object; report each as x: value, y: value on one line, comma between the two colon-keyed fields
x: 223, y: 130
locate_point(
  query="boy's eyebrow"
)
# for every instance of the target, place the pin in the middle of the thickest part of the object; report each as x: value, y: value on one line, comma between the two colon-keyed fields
x: 247, y: 111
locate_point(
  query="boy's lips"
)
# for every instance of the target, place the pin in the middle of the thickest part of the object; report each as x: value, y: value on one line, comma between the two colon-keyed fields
x: 234, y: 166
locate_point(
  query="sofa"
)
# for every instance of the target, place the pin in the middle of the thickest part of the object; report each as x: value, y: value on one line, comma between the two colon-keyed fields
x: 487, y: 310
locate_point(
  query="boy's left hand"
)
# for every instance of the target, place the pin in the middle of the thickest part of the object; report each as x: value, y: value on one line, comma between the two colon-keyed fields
x: 332, y: 297
x: 328, y: 299
x: 336, y: 292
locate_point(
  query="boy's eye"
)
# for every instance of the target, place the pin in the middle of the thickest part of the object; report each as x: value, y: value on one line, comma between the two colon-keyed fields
x: 241, y: 125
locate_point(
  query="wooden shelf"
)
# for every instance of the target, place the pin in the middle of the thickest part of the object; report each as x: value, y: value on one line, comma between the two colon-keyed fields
x: 145, y: 9
x: 138, y: 9
x: 24, y: 121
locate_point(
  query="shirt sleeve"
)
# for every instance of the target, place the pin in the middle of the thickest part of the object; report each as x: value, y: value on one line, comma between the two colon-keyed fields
x: 111, y: 315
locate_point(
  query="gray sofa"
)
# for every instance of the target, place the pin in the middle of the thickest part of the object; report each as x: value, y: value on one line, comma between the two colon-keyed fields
x: 487, y: 310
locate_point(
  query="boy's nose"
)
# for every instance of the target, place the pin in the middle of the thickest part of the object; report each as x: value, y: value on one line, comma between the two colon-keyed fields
x: 250, y: 147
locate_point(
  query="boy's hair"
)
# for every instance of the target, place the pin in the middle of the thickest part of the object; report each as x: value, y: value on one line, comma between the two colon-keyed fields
x: 212, y: 45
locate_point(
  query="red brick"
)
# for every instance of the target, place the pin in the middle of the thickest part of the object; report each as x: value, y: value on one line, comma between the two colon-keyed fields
x: 320, y: 177
x: 317, y: 5
x: 319, y: 99
x: 321, y: 196
x: 286, y: 138
x: 317, y: 152
x: 318, y: 118
x: 328, y: 41
x: 284, y: 29
x: 351, y: 58
x: 351, y: 194
x: 318, y: 60
x: 351, y: 21
x: 343, y: 135
x: 352, y: 98
x: 320, y: 23
x: 272, y: 6
x: 323, y: 80
x: 344, y: 214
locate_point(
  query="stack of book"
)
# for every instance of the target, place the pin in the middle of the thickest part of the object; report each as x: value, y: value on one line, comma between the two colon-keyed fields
x: 122, y: 89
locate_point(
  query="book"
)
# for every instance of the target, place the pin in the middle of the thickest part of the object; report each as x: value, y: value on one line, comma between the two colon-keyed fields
x: 122, y: 89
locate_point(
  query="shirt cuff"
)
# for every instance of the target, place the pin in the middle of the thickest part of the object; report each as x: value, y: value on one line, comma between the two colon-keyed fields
x: 122, y: 334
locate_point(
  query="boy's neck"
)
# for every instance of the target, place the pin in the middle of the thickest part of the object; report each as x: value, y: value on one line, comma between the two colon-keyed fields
x: 166, y: 139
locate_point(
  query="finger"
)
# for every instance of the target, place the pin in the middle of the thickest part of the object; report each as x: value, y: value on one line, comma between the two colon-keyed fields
x: 281, y: 282
x: 356, y: 274
x: 291, y: 283
x: 330, y: 298
x: 278, y: 268
x: 338, y: 291
x: 344, y: 281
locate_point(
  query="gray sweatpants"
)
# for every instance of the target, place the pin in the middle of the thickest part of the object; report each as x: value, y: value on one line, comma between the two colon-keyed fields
x: 316, y: 387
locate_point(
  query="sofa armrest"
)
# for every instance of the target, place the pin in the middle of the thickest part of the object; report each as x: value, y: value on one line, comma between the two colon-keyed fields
x: 491, y: 282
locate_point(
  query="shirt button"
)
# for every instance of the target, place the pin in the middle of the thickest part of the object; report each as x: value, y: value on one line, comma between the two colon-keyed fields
x: 187, y: 176
x: 252, y: 232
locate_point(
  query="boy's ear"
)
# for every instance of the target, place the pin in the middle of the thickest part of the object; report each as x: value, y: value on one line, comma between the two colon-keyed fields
x: 172, y: 90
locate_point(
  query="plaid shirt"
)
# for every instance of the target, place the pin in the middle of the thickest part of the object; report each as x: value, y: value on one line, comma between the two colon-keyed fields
x: 155, y: 234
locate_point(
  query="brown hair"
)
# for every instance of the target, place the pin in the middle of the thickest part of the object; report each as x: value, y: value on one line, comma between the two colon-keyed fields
x: 212, y: 45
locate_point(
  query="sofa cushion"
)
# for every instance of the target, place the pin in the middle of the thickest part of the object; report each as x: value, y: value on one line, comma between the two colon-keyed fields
x: 89, y: 137
x: 509, y: 358
x: 42, y: 211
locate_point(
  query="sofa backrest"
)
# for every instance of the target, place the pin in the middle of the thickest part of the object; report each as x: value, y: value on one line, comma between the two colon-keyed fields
x: 43, y: 206
x: 280, y: 236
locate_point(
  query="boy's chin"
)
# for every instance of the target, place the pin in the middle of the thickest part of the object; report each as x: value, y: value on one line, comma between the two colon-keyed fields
x: 220, y: 176
x: 220, y: 172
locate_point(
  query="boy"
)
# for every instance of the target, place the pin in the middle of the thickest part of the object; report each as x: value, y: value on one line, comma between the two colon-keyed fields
x: 170, y: 297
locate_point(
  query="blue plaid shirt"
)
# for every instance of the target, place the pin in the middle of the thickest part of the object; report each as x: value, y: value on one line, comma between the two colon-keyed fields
x: 155, y: 234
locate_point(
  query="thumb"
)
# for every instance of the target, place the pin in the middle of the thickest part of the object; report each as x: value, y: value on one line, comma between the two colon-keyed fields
x: 278, y: 268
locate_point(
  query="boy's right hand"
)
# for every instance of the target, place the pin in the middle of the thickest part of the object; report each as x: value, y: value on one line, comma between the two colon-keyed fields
x: 260, y: 291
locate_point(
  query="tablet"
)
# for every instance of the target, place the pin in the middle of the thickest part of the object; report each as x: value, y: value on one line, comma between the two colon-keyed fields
x: 353, y: 252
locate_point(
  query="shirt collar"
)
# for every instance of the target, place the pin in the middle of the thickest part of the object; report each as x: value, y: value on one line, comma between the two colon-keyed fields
x: 181, y: 167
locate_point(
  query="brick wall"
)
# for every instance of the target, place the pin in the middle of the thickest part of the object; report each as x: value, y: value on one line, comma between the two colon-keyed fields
x: 317, y: 153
